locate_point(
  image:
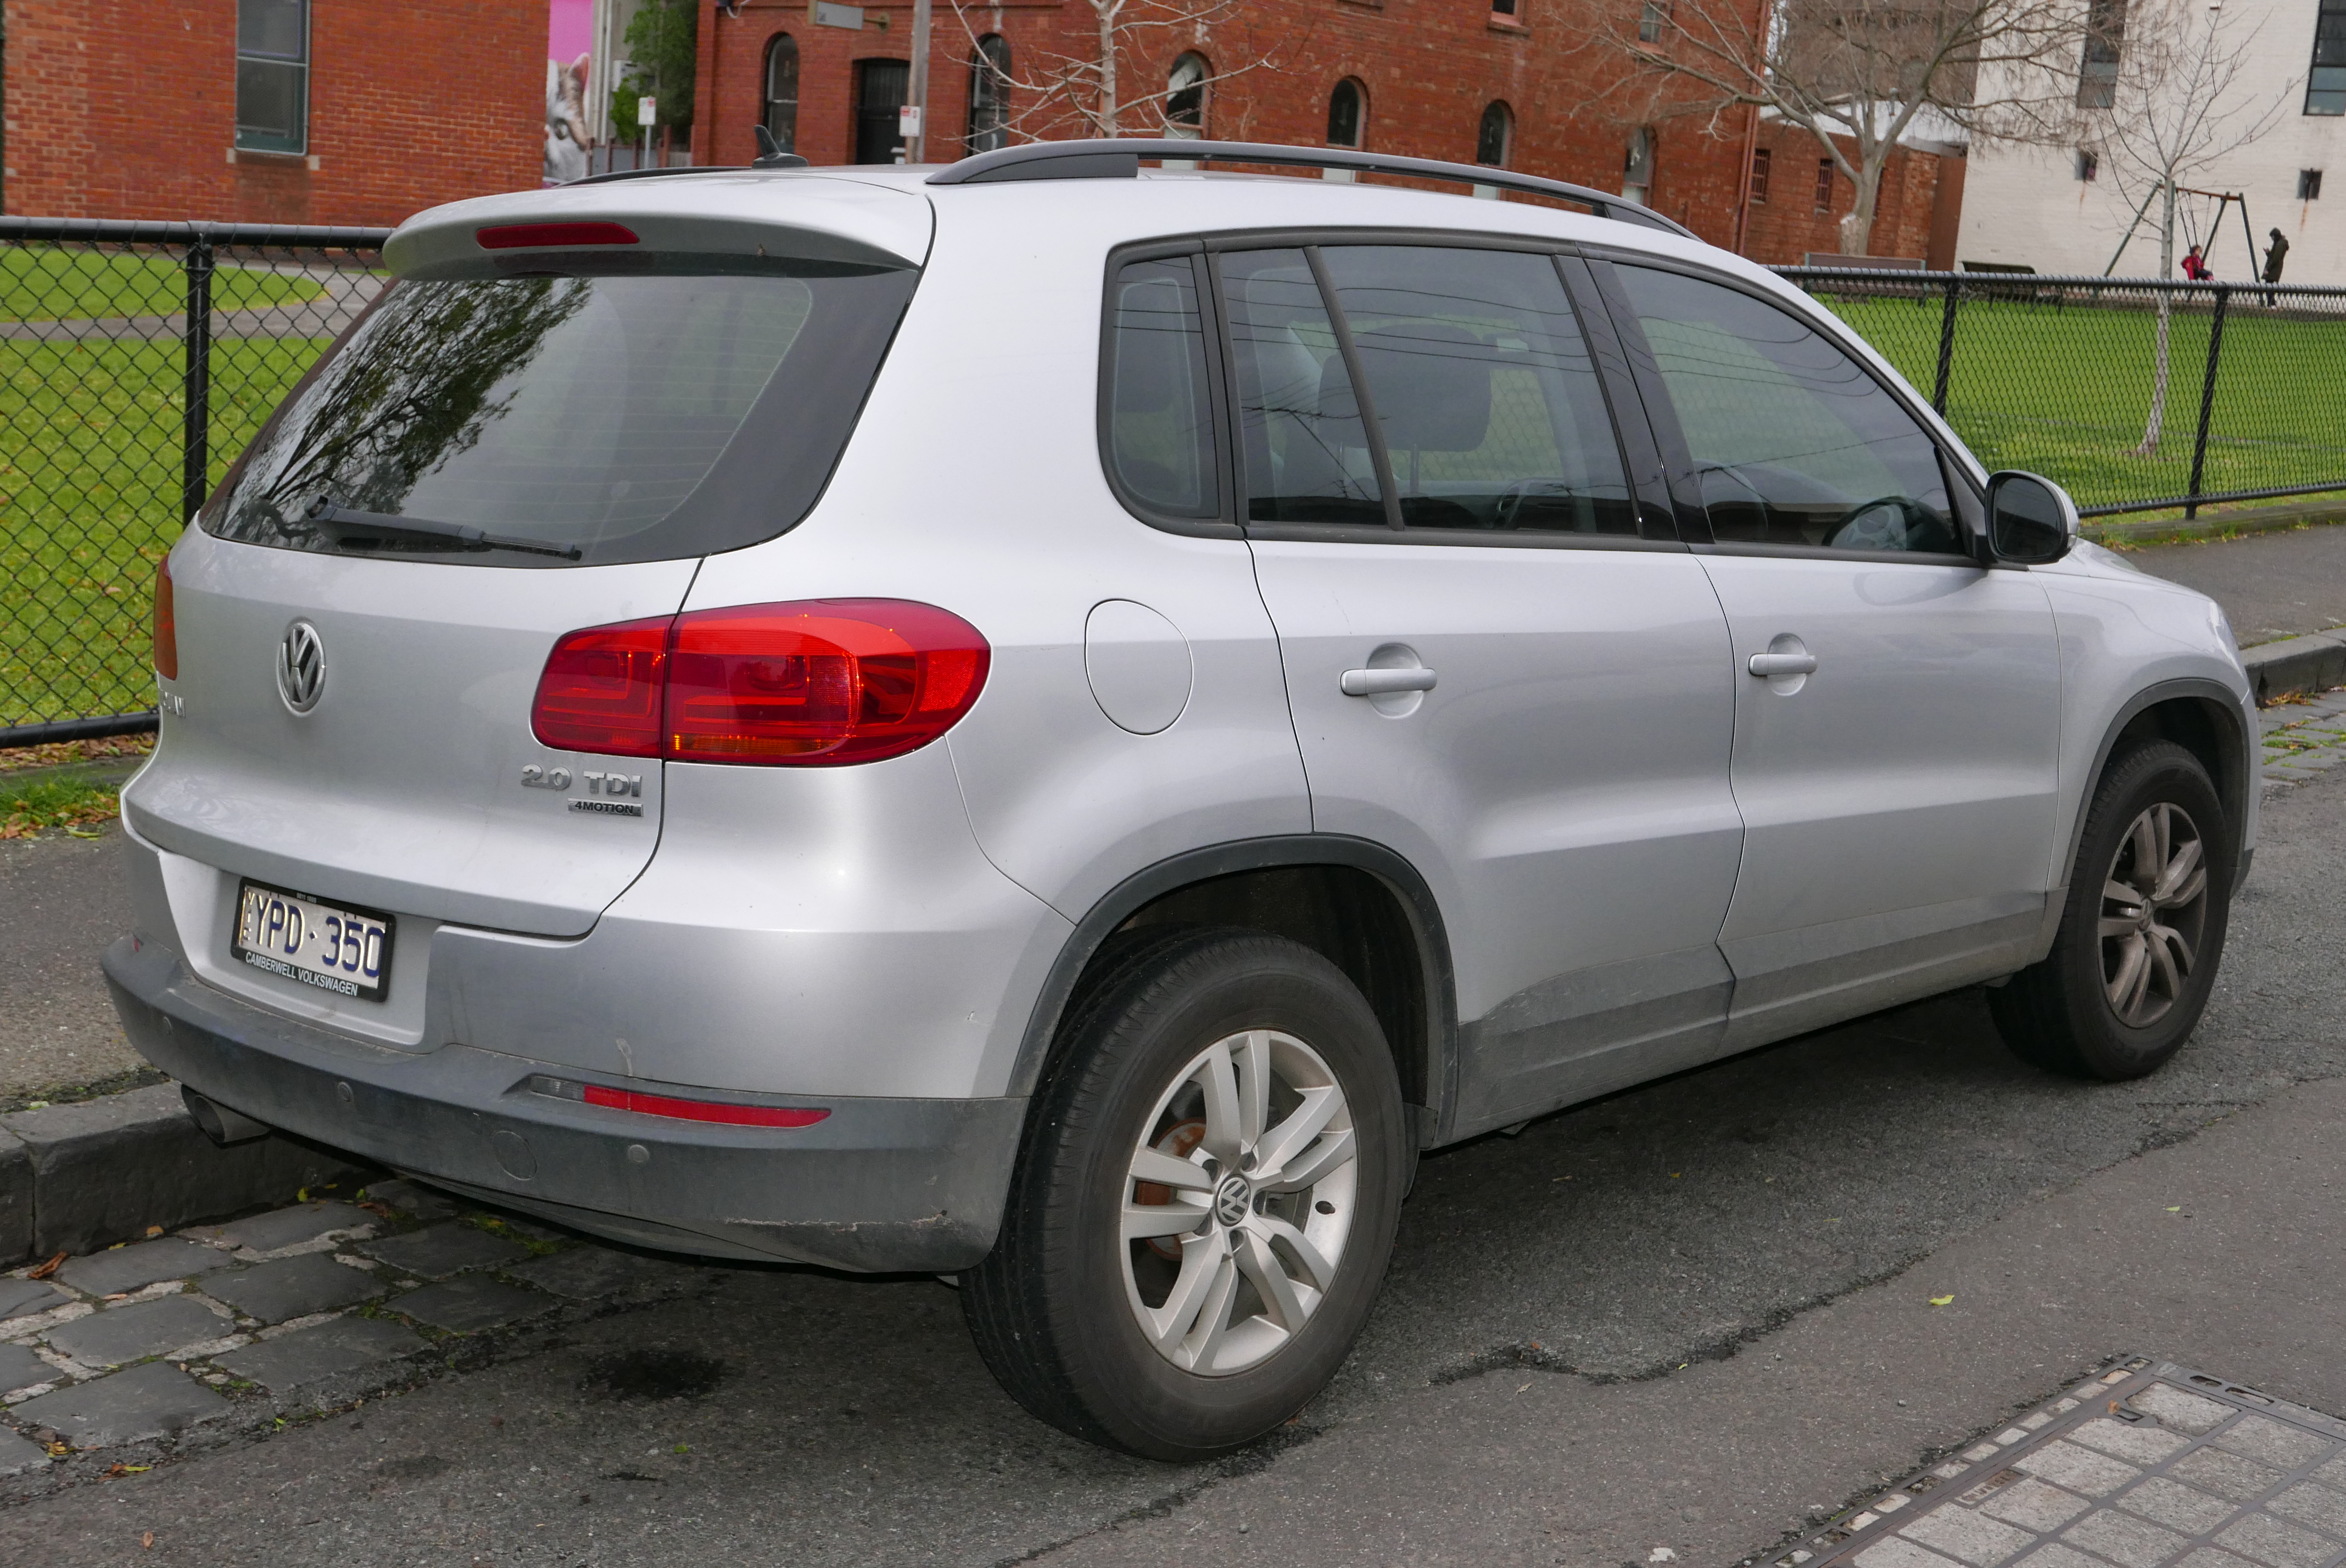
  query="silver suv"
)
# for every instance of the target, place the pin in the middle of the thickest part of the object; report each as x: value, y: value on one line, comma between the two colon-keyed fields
x: 1057, y: 723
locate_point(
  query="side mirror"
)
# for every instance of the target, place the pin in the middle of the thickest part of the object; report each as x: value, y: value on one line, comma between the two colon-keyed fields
x: 2031, y: 521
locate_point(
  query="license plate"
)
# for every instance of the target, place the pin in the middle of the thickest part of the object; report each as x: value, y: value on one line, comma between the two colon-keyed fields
x: 330, y: 946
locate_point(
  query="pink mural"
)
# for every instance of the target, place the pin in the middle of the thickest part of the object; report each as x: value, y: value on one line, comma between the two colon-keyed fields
x: 569, y: 34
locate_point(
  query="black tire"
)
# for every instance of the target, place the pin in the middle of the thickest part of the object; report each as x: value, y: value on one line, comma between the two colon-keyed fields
x: 2060, y: 1014
x: 1053, y: 1308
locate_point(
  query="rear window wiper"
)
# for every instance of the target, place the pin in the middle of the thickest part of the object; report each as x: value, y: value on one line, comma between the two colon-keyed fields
x: 348, y: 526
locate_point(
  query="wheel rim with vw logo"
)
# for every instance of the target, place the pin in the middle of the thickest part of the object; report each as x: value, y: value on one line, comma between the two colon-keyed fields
x: 1238, y: 1203
x: 301, y: 667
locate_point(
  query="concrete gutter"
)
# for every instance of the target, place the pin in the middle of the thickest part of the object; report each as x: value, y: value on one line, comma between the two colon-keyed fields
x: 77, y: 1178
x: 2313, y: 663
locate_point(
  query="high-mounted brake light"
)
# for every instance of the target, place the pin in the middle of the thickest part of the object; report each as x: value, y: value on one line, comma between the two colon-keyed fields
x: 813, y: 683
x: 166, y: 626
x: 540, y: 236
x: 719, y: 1111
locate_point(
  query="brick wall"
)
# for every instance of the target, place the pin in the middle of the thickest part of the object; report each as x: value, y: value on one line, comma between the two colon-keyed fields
x: 1791, y: 222
x: 118, y: 109
x: 1428, y: 67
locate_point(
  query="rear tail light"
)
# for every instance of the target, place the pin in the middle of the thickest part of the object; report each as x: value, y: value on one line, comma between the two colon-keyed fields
x: 166, y: 626
x: 601, y: 689
x: 819, y: 683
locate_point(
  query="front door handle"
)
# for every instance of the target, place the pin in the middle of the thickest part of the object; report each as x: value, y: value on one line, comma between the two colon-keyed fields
x: 1767, y: 664
x: 1381, y: 682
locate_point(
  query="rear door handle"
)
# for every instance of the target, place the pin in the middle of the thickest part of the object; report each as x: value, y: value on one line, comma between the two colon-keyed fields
x: 1767, y: 664
x: 1378, y: 682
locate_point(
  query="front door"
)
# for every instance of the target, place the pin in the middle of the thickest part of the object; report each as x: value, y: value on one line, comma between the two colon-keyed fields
x: 1491, y: 670
x: 1898, y: 706
x: 880, y: 89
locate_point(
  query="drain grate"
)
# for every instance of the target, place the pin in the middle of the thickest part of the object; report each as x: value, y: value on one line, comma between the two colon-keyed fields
x: 2144, y: 1466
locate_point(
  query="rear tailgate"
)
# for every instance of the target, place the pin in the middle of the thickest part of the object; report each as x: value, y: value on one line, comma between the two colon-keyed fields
x: 401, y: 789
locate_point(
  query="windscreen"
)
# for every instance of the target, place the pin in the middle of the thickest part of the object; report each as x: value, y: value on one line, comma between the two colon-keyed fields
x: 545, y: 420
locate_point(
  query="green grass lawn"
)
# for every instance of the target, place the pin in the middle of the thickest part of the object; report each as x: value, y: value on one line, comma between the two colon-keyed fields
x: 49, y: 283
x: 2065, y: 390
x: 91, y: 502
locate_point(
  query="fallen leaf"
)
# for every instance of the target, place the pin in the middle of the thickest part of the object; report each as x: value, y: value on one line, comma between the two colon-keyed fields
x: 153, y: 1230
x: 1943, y: 1301
x: 146, y: 1542
x: 2177, y: 1208
x: 46, y: 1269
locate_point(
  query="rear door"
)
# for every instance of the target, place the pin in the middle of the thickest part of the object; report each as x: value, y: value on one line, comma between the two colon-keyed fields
x: 1897, y: 772
x: 1493, y: 667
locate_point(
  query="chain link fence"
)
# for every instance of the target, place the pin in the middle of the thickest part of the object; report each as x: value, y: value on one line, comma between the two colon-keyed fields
x: 2136, y: 394
x: 139, y: 358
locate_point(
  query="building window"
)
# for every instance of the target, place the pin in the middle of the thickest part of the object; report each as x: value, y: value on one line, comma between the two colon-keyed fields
x: 1495, y: 140
x: 1347, y: 107
x: 989, y: 94
x: 272, y: 74
x: 2089, y: 165
x: 1185, y: 98
x: 782, y: 91
x: 1637, y: 168
x: 1759, y: 161
x: 1650, y: 21
x: 2325, y: 85
x: 2309, y: 184
x: 2098, y: 72
x: 1824, y: 184
x: 1507, y: 8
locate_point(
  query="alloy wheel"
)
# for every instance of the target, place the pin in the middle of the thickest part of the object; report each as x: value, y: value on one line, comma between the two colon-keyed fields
x: 2154, y: 913
x: 1237, y: 1202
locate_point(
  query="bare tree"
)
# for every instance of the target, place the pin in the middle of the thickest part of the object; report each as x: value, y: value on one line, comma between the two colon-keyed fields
x: 2178, y: 95
x: 1100, y: 89
x: 1853, y: 74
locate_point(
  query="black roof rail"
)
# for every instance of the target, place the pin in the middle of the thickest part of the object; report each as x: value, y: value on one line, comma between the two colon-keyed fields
x: 1119, y: 158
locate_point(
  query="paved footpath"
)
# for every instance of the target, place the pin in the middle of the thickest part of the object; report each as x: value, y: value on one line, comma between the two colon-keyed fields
x: 1668, y: 1322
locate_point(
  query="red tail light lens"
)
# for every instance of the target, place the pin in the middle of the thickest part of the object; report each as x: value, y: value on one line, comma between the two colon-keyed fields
x: 824, y: 681
x: 723, y: 1112
x: 601, y: 690
x: 816, y: 683
x: 166, y: 626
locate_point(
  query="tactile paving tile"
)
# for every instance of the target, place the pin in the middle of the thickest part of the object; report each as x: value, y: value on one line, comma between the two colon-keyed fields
x: 2146, y: 1466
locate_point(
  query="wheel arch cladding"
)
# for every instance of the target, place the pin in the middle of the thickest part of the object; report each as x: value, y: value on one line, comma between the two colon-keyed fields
x: 2205, y: 720
x: 1356, y: 904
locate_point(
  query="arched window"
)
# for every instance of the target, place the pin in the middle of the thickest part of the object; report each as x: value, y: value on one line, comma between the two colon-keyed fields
x: 1637, y: 168
x: 1185, y: 98
x: 1346, y: 114
x: 782, y: 90
x: 989, y: 94
x: 1496, y: 139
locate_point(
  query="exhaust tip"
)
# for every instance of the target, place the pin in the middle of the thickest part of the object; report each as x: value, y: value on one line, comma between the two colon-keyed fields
x: 220, y: 1123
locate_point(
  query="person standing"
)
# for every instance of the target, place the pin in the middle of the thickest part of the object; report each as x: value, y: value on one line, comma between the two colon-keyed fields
x: 2275, y: 254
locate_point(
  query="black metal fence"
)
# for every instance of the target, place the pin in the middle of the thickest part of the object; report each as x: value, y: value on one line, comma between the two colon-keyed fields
x: 139, y: 358
x: 2136, y: 394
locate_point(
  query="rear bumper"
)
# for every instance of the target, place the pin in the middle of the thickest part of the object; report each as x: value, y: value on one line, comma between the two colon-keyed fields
x: 879, y: 1186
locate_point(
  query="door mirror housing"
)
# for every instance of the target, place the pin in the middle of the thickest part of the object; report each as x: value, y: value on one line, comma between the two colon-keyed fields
x: 2031, y: 521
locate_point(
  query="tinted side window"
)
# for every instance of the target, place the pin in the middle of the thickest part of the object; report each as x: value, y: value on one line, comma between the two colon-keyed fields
x: 1307, y: 451
x: 1160, y: 434
x: 1490, y: 407
x: 1792, y: 442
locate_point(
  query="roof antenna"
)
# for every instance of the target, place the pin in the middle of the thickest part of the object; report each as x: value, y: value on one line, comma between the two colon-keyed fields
x: 770, y: 153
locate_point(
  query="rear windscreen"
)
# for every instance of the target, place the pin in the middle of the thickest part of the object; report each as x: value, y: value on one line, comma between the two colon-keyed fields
x: 621, y: 418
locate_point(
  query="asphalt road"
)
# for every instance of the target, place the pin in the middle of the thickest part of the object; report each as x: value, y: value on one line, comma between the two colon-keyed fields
x: 1675, y: 1317
x: 61, y: 900
x: 2271, y: 586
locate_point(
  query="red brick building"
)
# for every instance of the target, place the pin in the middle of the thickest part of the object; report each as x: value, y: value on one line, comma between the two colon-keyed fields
x: 270, y: 111
x: 1797, y: 199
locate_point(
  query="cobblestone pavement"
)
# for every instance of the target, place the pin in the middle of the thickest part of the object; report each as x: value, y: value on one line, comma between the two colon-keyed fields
x: 2304, y: 738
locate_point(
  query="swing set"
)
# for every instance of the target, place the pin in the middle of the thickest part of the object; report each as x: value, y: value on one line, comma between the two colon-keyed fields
x: 2222, y: 199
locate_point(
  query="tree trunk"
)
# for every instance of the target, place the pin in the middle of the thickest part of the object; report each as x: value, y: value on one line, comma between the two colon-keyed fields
x: 1105, y: 13
x: 1857, y: 229
x: 2157, y: 421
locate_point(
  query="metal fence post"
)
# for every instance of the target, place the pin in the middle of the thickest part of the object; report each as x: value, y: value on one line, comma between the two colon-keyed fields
x: 2207, y: 402
x: 1947, y: 348
x: 195, y: 473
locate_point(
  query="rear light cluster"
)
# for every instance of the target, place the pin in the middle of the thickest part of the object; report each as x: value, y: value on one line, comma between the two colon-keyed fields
x: 535, y: 236
x: 815, y: 683
x: 166, y: 626
x: 724, y: 1113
